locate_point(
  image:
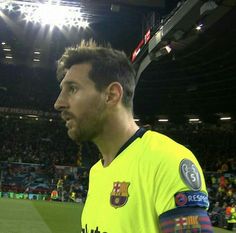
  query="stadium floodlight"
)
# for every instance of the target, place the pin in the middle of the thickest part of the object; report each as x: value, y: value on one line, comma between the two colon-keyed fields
x: 7, y: 49
x: 50, y: 13
x: 163, y: 120
x: 3, y: 43
x: 168, y: 48
x: 83, y: 23
x: 3, y: 4
x: 36, y: 60
x: 31, y: 116
x: 9, y: 7
x: 194, y: 120
x: 28, y: 13
x: 225, y: 118
x: 36, y: 52
x: 199, y: 27
x: 23, y: 9
x: 8, y: 57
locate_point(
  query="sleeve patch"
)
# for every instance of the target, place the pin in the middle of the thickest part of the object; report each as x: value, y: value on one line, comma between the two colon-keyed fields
x: 190, y: 175
x: 191, y: 199
x: 183, y: 220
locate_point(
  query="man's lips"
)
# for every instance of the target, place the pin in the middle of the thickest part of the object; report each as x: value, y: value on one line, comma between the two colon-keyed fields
x: 69, y: 123
x: 66, y: 117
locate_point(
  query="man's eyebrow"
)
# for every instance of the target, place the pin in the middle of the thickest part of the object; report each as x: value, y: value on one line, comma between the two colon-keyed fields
x: 67, y: 83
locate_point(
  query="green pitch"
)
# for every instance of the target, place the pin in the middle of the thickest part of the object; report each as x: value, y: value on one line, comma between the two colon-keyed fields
x: 25, y: 216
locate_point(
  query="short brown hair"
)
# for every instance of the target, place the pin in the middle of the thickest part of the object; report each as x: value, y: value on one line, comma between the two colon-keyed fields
x: 108, y: 65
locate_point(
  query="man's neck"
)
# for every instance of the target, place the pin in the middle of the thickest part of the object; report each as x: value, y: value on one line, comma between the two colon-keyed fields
x: 116, y: 132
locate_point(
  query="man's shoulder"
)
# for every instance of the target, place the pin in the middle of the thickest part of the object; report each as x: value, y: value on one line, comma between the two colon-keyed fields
x: 97, y: 166
x: 164, y: 148
x: 162, y: 141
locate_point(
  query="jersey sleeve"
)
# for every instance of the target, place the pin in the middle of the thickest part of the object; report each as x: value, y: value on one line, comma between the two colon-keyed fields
x: 179, y: 180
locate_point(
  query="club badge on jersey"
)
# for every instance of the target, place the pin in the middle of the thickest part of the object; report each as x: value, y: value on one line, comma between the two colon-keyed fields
x: 119, y: 195
x: 190, y: 175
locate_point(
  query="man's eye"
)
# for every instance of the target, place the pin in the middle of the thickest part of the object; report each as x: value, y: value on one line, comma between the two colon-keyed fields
x: 73, y: 89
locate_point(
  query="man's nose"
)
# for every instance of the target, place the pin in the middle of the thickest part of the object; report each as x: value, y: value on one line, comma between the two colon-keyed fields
x: 60, y: 103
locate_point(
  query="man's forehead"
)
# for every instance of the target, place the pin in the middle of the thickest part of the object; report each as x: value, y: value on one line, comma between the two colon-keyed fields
x: 77, y: 70
x: 80, y: 67
x: 76, y: 74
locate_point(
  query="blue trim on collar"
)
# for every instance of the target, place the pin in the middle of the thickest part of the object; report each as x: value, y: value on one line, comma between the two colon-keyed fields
x: 138, y: 134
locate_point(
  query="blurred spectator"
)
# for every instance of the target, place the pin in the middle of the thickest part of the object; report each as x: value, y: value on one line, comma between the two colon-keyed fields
x: 217, y: 215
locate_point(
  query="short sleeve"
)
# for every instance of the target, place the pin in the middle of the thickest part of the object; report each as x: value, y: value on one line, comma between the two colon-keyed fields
x: 179, y: 181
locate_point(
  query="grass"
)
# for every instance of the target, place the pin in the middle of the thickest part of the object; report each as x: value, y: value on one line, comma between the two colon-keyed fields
x: 25, y: 216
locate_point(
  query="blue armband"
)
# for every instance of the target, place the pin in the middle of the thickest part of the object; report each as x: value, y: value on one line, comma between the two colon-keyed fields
x: 186, y: 219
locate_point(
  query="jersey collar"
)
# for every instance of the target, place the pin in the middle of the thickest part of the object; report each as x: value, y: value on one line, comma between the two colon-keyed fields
x: 138, y: 134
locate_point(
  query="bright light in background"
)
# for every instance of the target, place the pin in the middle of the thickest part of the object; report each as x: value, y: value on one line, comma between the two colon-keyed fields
x: 48, y: 13
x: 6, y: 5
x: 168, y: 48
x: 199, y: 27
x: 6, y: 49
x: 225, y: 118
x: 32, y: 116
x: 9, y: 7
x: 8, y: 57
x: 3, y: 43
x: 36, y: 60
x: 82, y: 23
x: 194, y: 120
x: 28, y: 13
x: 3, y: 4
x: 163, y: 120
x: 23, y: 9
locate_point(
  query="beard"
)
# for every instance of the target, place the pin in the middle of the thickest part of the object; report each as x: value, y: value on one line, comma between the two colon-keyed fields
x: 87, y: 126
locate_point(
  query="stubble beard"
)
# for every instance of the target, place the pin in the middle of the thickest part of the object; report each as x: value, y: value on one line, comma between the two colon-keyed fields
x: 88, y: 127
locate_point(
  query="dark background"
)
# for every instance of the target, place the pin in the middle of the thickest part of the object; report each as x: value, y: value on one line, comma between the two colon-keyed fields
x: 197, y: 78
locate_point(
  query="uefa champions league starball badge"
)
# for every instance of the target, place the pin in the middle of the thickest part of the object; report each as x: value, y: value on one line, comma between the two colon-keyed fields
x: 190, y: 174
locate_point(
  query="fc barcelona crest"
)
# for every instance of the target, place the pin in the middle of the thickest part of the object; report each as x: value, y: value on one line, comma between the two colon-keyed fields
x: 119, y: 194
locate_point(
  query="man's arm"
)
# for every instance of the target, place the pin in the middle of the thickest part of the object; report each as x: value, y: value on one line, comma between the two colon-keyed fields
x: 185, y: 219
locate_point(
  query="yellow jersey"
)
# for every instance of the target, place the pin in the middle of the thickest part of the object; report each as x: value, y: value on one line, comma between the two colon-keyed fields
x: 140, y: 184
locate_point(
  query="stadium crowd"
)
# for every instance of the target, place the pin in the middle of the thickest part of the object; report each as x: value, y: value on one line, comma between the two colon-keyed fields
x: 25, y: 87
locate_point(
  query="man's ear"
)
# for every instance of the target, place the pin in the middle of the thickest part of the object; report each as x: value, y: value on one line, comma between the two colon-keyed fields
x: 114, y: 93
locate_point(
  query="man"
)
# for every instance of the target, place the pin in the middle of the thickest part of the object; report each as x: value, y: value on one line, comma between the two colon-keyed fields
x: 145, y: 182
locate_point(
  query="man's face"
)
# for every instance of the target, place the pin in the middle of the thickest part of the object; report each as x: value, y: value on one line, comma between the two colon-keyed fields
x: 81, y: 105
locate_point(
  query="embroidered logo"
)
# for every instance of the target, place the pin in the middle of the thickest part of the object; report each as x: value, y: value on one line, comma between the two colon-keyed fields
x: 187, y: 224
x: 119, y: 195
x: 180, y: 199
x: 191, y: 199
x: 190, y: 174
